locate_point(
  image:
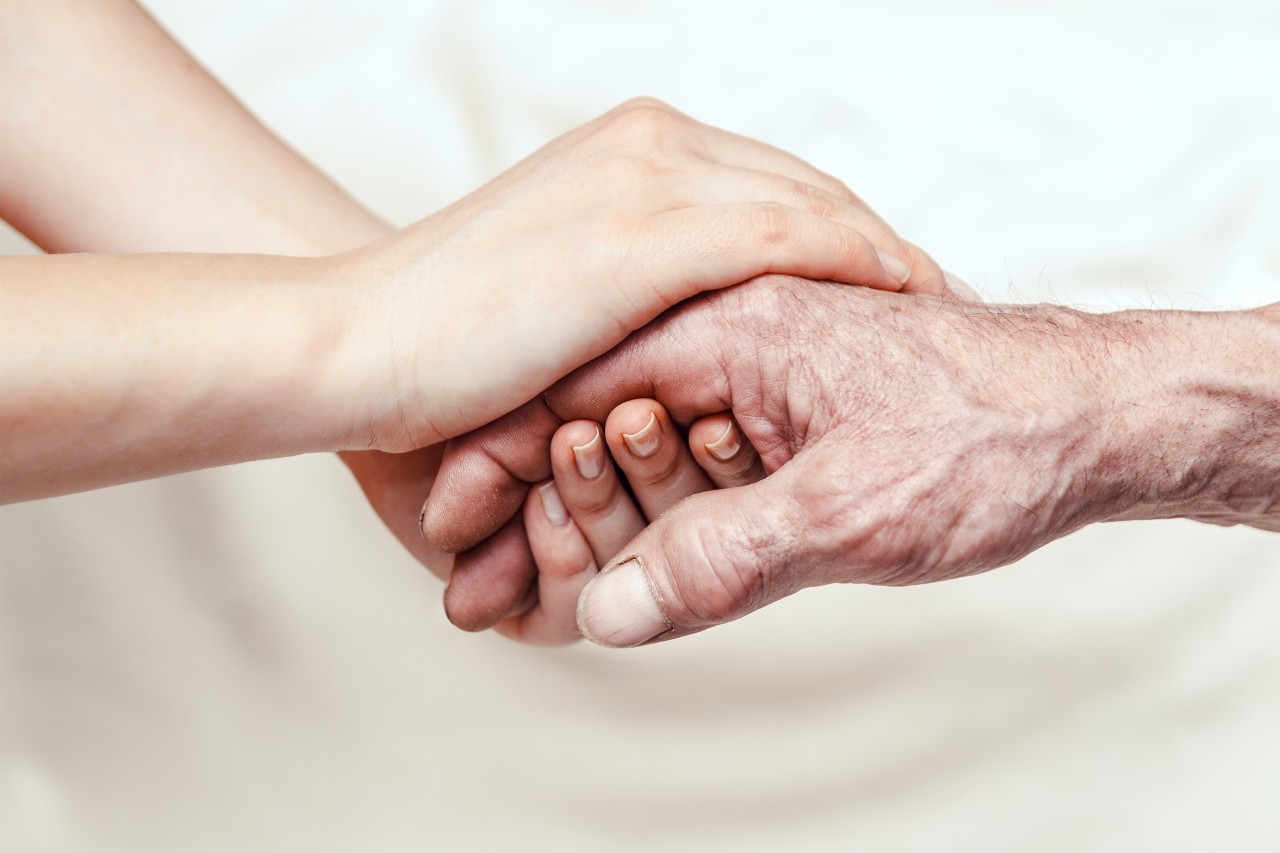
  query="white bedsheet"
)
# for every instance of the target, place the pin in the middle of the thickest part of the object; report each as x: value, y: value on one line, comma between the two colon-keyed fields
x: 243, y: 659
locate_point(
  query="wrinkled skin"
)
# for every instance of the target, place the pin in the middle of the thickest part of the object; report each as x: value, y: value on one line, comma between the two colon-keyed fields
x: 909, y: 439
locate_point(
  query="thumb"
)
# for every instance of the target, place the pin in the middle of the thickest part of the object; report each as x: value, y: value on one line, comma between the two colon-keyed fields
x: 712, y: 558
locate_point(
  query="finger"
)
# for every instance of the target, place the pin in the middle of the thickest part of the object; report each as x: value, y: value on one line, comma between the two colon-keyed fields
x: 484, y: 476
x: 653, y: 455
x: 721, y: 450
x: 565, y: 566
x: 589, y: 486
x: 642, y: 116
x: 728, y: 244
x: 472, y: 512
x: 491, y: 581
x: 732, y: 149
x: 747, y: 185
x: 713, y: 558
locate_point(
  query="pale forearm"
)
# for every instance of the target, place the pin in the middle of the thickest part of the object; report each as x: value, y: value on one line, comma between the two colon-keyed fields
x: 147, y: 155
x: 119, y: 368
x: 227, y: 184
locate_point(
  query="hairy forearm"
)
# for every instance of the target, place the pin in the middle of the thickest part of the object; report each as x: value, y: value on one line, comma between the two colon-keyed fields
x: 1137, y: 414
x: 1197, y: 400
x: 119, y: 368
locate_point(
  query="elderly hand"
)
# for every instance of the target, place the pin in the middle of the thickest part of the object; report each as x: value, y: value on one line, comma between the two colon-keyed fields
x: 908, y: 440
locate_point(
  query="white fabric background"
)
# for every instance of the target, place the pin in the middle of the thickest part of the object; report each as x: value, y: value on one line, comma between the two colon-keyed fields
x: 243, y: 659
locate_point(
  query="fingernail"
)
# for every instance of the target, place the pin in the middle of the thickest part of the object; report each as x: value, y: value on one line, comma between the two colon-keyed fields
x: 552, y: 505
x: 619, y: 609
x: 896, y: 269
x: 644, y: 442
x: 959, y: 289
x: 726, y: 446
x: 589, y: 458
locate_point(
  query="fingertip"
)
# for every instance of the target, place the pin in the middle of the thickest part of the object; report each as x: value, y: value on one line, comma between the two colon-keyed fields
x: 484, y: 476
x: 896, y: 268
x: 634, y: 429
x: 709, y: 430
x: 490, y: 582
x: 723, y: 451
x: 466, y: 614
x: 634, y: 416
x: 576, y: 434
x: 578, y: 449
x: 864, y: 264
x: 620, y: 608
x: 472, y: 497
x: 588, y: 483
x: 927, y: 277
x: 549, y: 501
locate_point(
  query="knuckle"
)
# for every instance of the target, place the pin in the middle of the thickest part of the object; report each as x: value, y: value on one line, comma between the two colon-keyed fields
x: 838, y: 188
x: 770, y: 223
x: 658, y: 472
x: 563, y: 561
x: 853, y: 247
x: 592, y: 505
x: 819, y: 202
x: 764, y: 303
x: 743, y: 468
x: 826, y: 505
x: 644, y: 102
x: 842, y: 190
x: 718, y: 585
x: 889, y: 552
x: 646, y: 125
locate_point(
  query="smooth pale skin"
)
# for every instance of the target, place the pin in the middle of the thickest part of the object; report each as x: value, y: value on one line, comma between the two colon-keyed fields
x: 191, y: 360
x: 908, y: 439
x: 228, y: 184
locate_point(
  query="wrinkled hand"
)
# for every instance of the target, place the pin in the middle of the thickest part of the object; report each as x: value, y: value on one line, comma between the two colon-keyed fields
x: 908, y: 439
x: 484, y: 304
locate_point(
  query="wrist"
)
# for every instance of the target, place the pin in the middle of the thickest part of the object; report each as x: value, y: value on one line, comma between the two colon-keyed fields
x: 382, y: 338
x: 295, y: 366
x: 180, y: 362
x: 1192, y: 414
